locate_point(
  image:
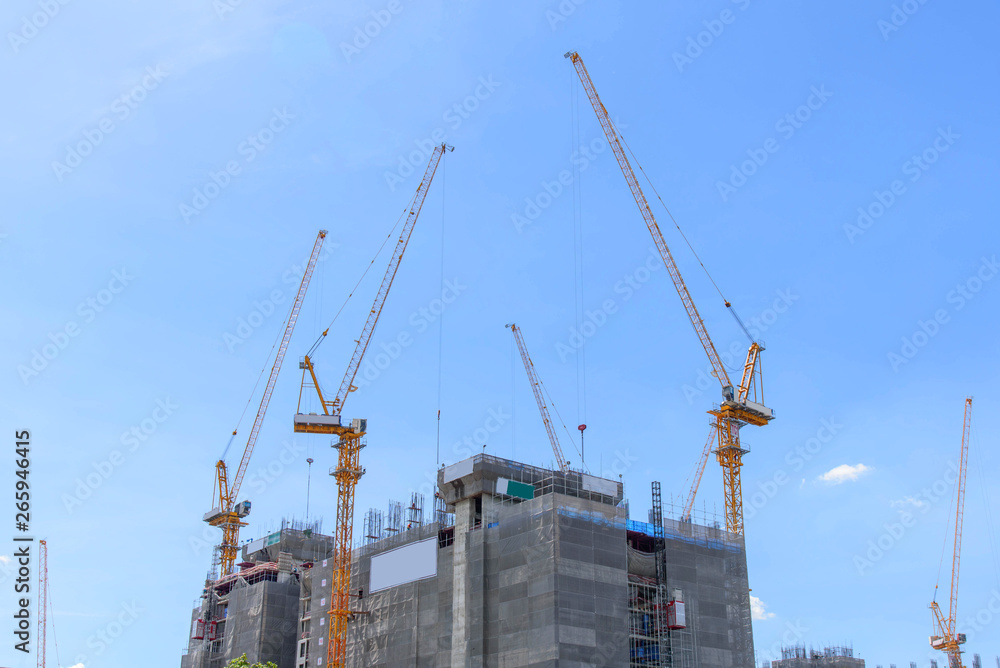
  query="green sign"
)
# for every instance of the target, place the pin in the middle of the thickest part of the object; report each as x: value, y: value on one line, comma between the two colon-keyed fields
x: 521, y: 490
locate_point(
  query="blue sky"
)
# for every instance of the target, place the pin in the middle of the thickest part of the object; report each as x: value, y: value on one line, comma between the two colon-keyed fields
x: 165, y: 169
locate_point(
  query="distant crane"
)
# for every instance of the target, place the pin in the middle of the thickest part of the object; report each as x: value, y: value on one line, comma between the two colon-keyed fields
x: 713, y: 431
x: 350, y: 438
x: 227, y: 514
x: 737, y: 408
x: 947, y: 638
x: 43, y: 600
x: 536, y: 387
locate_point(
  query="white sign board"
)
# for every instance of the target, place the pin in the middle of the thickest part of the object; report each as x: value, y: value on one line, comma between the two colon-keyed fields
x: 600, y: 485
x: 456, y: 471
x: 409, y: 563
x: 256, y: 546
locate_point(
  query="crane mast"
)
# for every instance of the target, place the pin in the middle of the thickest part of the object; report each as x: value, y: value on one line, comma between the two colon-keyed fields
x: 351, y: 439
x: 228, y: 515
x: 948, y: 639
x: 536, y: 387
x: 737, y: 408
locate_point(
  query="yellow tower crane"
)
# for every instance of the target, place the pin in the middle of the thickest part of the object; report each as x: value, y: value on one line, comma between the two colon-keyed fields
x: 351, y: 438
x: 947, y: 638
x: 537, y: 388
x: 740, y: 406
x: 227, y: 514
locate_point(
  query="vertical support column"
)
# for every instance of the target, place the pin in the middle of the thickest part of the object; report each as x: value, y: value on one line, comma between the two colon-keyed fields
x: 465, y: 516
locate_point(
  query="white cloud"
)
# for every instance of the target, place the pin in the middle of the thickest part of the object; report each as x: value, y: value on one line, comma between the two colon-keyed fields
x: 908, y: 501
x: 79, y: 665
x: 758, y: 610
x: 4, y: 559
x: 844, y: 473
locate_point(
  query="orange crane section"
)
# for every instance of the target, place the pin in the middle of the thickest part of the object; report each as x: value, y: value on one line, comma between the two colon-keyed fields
x: 228, y: 515
x: 713, y: 431
x: 351, y: 438
x: 947, y: 638
x: 536, y: 387
x: 737, y: 409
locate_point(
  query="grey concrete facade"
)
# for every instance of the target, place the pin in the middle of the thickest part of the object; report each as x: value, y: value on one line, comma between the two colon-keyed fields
x: 539, y: 569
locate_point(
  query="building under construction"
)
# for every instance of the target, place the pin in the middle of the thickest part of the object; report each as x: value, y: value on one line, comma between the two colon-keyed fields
x: 514, y: 565
x: 798, y: 656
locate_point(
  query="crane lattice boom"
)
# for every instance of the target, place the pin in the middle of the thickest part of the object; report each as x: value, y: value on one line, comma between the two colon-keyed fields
x: 709, y: 443
x: 227, y: 515
x: 948, y: 639
x: 536, y: 387
x: 336, y: 406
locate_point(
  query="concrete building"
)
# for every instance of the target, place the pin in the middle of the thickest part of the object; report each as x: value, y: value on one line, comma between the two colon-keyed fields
x: 517, y: 566
x: 828, y: 657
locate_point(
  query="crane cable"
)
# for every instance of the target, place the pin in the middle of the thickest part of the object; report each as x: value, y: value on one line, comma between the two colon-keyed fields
x: 578, y: 264
x: 683, y: 236
x: 944, y: 543
x: 274, y: 345
x: 561, y: 421
x: 444, y: 184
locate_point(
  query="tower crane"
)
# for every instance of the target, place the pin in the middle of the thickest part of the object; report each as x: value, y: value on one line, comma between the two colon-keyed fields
x: 228, y: 515
x: 351, y: 437
x: 947, y: 638
x: 536, y: 387
x: 740, y: 406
